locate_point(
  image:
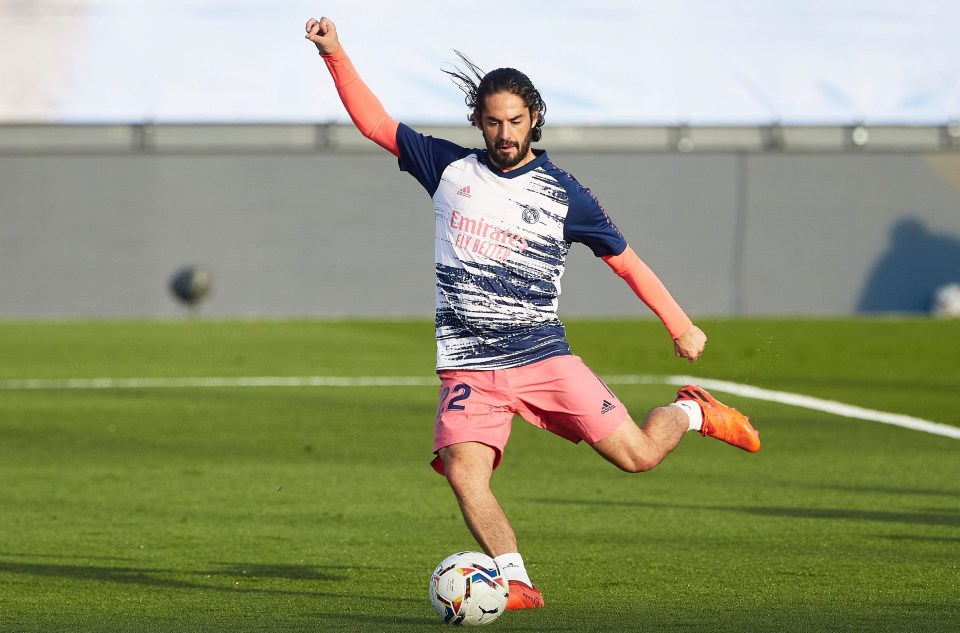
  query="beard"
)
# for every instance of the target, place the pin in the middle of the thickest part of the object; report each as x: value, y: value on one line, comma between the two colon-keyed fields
x: 501, y: 156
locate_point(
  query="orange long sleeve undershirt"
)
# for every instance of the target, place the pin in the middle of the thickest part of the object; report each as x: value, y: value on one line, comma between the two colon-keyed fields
x: 362, y: 105
x: 648, y: 287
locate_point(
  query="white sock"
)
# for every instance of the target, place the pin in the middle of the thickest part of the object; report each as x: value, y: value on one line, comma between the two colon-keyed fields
x: 511, y: 567
x: 693, y: 411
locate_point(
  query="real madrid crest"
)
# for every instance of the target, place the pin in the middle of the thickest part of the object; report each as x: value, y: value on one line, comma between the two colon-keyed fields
x: 531, y: 215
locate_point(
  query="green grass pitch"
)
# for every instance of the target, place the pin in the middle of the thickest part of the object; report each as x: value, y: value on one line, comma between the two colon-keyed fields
x: 314, y: 509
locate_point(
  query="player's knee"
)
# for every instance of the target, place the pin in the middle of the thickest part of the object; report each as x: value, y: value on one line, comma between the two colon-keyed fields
x: 629, y: 450
x: 637, y: 463
x: 465, y: 475
x: 458, y: 478
x: 638, y: 458
x: 466, y: 484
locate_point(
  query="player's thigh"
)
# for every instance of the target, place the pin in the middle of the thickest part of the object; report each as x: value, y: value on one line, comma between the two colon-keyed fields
x: 564, y: 396
x: 471, y: 409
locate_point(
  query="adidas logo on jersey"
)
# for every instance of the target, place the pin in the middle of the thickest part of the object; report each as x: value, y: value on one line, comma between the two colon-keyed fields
x: 464, y: 191
x: 607, y: 406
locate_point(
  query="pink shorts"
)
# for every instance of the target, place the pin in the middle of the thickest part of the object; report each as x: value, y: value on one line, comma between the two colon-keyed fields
x: 559, y: 394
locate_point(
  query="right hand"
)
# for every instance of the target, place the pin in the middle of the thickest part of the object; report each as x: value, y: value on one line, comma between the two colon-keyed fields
x: 323, y: 34
x: 690, y: 344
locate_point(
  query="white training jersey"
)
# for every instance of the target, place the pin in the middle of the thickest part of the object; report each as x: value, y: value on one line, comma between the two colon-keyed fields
x: 501, y: 244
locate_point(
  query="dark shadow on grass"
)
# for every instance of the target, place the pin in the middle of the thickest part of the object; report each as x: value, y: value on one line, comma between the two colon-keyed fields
x: 923, y: 539
x: 123, y: 575
x: 842, y: 514
x: 164, y: 578
x: 884, y: 490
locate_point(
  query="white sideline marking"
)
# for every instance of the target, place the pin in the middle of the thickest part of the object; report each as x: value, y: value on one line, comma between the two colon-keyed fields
x: 239, y: 381
x: 797, y: 400
x: 747, y: 391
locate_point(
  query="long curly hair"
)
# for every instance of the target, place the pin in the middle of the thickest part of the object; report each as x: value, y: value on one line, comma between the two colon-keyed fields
x: 477, y: 85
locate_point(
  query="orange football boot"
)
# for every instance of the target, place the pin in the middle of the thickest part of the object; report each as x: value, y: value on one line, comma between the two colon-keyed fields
x: 523, y: 596
x: 722, y: 422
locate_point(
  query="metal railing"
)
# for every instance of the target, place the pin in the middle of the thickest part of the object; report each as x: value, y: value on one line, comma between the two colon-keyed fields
x: 309, y: 138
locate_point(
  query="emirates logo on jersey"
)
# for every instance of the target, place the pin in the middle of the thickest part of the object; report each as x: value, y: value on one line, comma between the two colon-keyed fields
x: 530, y: 215
x: 476, y: 235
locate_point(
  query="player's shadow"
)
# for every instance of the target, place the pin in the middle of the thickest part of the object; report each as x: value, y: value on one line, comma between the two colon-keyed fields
x: 917, y: 262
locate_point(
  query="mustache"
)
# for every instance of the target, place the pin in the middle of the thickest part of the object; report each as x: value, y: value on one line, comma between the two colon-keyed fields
x: 506, y: 144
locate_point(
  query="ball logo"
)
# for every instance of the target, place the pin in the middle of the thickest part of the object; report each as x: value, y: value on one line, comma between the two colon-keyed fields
x: 531, y: 215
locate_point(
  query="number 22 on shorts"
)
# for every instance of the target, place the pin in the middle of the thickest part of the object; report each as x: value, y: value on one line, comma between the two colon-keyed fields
x: 459, y: 393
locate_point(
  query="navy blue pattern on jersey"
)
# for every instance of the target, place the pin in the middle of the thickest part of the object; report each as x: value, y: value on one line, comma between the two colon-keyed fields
x: 501, y: 244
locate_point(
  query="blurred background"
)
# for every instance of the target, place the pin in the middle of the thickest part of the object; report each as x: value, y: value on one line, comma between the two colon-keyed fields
x: 789, y: 158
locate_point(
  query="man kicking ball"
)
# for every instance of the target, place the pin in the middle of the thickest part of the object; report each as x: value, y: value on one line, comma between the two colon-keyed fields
x: 505, y: 218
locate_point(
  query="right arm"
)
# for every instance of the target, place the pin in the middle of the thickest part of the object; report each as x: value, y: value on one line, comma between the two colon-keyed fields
x: 587, y: 222
x: 688, y: 339
x: 362, y: 105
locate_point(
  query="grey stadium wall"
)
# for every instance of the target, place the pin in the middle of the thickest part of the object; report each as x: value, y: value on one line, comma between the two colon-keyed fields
x: 312, y: 221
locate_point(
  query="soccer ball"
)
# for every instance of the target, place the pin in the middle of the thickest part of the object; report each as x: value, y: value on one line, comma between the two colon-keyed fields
x: 466, y: 589
x: 191, y: 284
x: 946, y: 301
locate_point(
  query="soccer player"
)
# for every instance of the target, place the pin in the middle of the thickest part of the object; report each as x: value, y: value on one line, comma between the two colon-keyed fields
x: 506, y: 216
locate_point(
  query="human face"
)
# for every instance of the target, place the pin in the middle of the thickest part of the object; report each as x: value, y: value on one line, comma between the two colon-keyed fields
x: 507, y: 130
